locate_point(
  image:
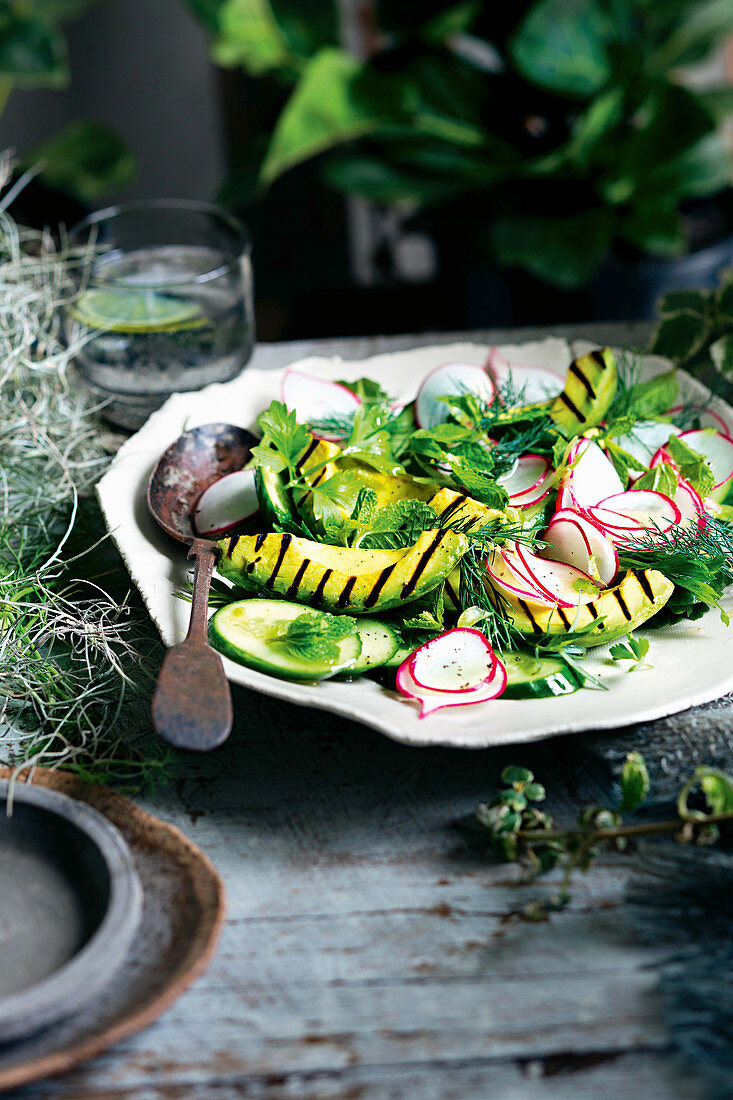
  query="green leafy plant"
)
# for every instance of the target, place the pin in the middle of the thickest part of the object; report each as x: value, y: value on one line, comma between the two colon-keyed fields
x: 85, y: 158
x: 515, y: 829
x: 549, y: 134
x: 696, y: 329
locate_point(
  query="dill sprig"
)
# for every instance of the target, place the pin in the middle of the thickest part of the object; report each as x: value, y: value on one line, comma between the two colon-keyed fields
x: 698, y: 559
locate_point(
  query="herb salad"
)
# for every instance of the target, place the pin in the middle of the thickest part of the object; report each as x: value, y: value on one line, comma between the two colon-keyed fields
x: 473, y: 544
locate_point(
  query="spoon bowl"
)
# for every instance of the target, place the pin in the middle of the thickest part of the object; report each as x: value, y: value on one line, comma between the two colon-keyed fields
x: 195, y: 461
x: 192, y: 705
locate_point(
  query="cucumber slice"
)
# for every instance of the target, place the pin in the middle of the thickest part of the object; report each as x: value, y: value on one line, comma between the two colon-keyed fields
x: 276, y: 505
x: 248, y: 631
x: 379, y: 644
x: 400, y: 654
x: 530, y: 677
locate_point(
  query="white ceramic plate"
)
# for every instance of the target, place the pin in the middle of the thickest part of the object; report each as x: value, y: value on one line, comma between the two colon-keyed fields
x: 692, y: 661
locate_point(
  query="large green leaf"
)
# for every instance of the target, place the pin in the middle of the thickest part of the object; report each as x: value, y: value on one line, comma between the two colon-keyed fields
x: 565, y: 252
x: 32, y: 51
x: 267, y: 35
x: 670, y: 123
x: 721, y: 353
x: 339, y: 100
x: 322, y: 112
x: 655, y: 229
x: 85, y: 159
x: 680, y: 336
x: 249, y: 35
x: 700, y: 26
x: 561, y: 45
x: 376, y: 179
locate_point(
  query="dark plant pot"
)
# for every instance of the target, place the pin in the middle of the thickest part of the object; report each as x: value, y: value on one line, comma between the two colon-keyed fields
x: 626, y: 288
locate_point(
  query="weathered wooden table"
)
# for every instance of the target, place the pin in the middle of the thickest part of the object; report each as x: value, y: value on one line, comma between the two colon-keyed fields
x: 367, y: 955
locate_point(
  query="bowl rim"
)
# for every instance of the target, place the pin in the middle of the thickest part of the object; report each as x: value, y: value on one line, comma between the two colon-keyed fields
x: 80, y: 978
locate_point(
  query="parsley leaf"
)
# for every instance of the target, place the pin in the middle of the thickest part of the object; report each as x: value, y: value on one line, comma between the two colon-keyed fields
x: 315, y: 636
x: 284, y: 439
x: 631, y: 649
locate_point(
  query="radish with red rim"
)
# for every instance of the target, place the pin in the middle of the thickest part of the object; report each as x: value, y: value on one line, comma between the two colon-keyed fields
x: 535, y: 383
x: 314, y: 400
x: 717, y: 450
x: 690, y: 503
x: 707, y: 418
x: 507, y: 579
x: 652, y: 510
x: 458, y: 668
x: 563, y: 584
x: 577, y: 540
x: 226, y: 505
x: 449, y: 380
x: 590, y: 475
x: 525, y: 475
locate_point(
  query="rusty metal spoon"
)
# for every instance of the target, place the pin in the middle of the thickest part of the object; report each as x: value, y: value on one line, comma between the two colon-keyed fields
x: 192, y: 703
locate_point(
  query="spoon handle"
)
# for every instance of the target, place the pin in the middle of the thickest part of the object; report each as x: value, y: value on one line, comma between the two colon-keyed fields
x: 192, y: 703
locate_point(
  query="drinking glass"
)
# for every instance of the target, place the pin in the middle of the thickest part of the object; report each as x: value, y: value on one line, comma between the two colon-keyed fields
x: 164, y: 303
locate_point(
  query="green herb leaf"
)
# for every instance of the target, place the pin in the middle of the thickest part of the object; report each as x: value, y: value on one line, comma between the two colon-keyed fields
x: 630, y: 649
x: 718, y: 789
x: 692, y: 466
x: 314, y: 636
x: 398, y: 525
x: 660, y: 479
x: 283, y: 436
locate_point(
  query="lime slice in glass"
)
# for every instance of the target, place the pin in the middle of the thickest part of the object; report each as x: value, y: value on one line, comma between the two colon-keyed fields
x: 122, y: 310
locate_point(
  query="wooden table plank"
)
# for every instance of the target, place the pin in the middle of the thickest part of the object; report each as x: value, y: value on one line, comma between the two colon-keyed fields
x: 367, y: 954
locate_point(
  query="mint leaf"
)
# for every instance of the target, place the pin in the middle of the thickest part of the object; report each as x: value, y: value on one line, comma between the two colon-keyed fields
x: 654, y: 397
x: 398, y: 525
x: 692, y: 466
x: 660, y: 479
x: 315, y: 636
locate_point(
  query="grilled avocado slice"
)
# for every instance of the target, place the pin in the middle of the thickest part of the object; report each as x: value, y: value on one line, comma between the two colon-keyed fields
x: 622, y: 608
x: 589, y: 390
x: 340, y: 578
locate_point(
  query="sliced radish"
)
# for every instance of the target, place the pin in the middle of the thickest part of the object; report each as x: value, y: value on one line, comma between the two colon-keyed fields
x: 716, y: 449
x: 690, y: 503
x: 226, y: 504
x: 516, y: 566
x: 566, y: 500
x: 707, y: 418
x: 645, y: 439
x: 534, y: 383
x: 526, y: 474
x: 578, y: 541
x: 615, y: 527
x: 452, y: 378
x: 505, y: 578
x: 315, y: 400
x: 645, y: 506
x: 591, y: 475
x: 562, y: 583
x: 455, y: 669
x: 537, y: 494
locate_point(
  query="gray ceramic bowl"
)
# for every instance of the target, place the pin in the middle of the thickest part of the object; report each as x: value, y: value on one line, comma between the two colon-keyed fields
x: 70, y: 904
